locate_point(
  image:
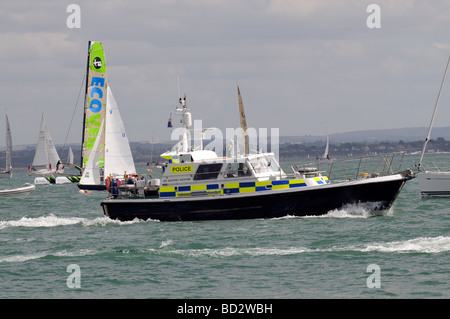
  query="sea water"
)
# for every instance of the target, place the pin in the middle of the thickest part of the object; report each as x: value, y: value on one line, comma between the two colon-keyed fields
x: 56, y: 243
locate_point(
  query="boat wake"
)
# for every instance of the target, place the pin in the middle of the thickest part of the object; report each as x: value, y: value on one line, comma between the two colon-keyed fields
x: 64, y: 253
x: 429, y: 245
x: 229, y: 252
x: 425, y: 245
x: 361, y: 210
x: 55, y: 221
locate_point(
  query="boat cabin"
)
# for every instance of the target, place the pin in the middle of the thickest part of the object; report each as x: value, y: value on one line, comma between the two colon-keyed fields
x: 201, y: 166
x: 203, y: 173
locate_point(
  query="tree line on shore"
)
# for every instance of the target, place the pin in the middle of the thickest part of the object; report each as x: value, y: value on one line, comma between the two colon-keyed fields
x: 144, y: 152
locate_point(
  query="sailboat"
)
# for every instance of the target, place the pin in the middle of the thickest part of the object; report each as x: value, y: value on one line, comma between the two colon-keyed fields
x: 8, y: 169
x: 152, y: 163
x: 433, y: 183
x: 46, y: 160
x: 105, y: 146
x: 326, y: 154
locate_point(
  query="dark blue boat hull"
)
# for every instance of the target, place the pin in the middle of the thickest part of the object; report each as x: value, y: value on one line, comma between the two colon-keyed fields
x: 312, y: 201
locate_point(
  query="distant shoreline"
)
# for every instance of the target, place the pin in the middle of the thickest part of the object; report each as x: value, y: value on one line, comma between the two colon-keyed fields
x: 288, y: 149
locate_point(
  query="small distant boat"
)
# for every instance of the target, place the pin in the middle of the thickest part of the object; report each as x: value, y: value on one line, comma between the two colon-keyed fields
x: 153, y: 163
x: 19, y: 191
x: 433, y: 182
x: 46, y: 160
x: 8, y: 169
x: 326, y: 153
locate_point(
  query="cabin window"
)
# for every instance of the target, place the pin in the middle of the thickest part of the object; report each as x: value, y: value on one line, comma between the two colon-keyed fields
x: 207, y: 171
x: 237, y: 170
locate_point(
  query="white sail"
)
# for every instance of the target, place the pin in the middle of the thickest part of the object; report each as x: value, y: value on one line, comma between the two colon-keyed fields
x: 41, y: 155
x: 46, y: 157
x: 326, y: 154
x: 53, y: 157
x: 91, y: 172
x: 118, y: 157
x: 70, y: 156
x: 8, y: 168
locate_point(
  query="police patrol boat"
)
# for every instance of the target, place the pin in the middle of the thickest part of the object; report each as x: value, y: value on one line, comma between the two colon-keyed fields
x: 204, y: 186
x: 199, y: 185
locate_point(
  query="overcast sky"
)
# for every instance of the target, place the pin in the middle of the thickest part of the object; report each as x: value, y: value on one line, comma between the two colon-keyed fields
x: 303, y: 66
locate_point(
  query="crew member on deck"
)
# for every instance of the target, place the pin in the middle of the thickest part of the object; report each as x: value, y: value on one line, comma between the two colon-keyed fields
x: 241, y: 170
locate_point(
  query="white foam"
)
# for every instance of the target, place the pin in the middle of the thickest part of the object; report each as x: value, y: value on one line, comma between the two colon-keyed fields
x: 21, y: 258
x: 363, y: 210
x: 421, y: 245
x: 231, y: 252
x: 166, y: 243
x: 55, y: 221
x: 43, y: 221
x: 63, y: 253
x: 103, y: 221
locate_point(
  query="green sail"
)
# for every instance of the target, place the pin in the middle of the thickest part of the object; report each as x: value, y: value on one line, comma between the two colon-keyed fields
x: 95, y: 100
x: 97, y: 58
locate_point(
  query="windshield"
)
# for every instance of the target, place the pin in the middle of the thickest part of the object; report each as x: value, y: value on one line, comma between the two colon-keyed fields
x: 265, y: 165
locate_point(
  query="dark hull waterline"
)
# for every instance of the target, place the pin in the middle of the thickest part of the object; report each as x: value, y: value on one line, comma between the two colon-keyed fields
x: 93, y: 187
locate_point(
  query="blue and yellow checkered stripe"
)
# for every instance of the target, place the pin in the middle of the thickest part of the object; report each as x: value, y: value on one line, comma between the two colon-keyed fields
x: 251, y: 187
x: 172, y: 191
x: 323, y: 180
x: 234, y: 188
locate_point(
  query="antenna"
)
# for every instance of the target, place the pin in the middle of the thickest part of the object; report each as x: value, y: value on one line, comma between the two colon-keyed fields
x: 179, y: 94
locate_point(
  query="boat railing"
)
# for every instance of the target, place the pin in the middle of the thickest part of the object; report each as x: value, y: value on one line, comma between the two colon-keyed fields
x: 430, y: 166
x: 357, y: 168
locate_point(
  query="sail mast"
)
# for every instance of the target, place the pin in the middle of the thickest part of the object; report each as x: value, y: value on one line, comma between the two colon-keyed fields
x: 432, y: 118
x: 85, y: 101
x: 243, y: 123
x: 8, y: 145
